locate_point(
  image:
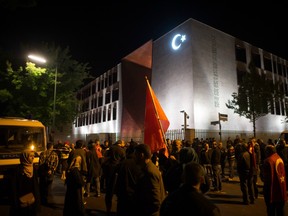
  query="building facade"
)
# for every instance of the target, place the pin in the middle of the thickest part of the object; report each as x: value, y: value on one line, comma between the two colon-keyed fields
x: 194, y: 69
x: 113, y: 105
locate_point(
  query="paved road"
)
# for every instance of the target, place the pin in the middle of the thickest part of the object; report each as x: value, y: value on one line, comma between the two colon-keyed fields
x: 229, y: 202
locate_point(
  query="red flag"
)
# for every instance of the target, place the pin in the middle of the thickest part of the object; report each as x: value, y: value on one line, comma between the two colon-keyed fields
x: 156, y: 122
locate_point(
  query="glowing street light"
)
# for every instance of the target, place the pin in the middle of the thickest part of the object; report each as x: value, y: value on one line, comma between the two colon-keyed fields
x: 43, y: 60
x: 37, y: 58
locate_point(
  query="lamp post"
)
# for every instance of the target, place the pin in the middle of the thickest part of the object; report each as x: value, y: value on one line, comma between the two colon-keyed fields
x: 54, y: 99
x: 186, y: 116
x: 43, y: 60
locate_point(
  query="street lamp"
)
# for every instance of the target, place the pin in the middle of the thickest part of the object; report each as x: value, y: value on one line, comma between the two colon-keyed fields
x: 43, y: 60
x: 186, y: 116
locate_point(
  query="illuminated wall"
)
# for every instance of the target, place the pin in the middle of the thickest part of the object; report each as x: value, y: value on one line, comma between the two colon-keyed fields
x: 194, y: 69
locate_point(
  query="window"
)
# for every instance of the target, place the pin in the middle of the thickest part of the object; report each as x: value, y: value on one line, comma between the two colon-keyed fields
x: 114, y: 111
x: 104, y: 114
x: 102, y: 84
x: 93, y: 88
x: 115, y: 77
x: 106, y: 81
x: 280, y: 69
x: 100, y: 100
x: 240, y: 53
x: 98, y: 85
x: 99, y: 115
x: 277, y: 106
x: 110, y: 80
x: 109, y: 113
x: 115, y: 94
x: 256, y: 59
x: 107, y: 97
x: 267, y: 64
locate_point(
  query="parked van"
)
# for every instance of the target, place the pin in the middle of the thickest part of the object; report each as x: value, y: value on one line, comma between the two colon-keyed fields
x: 283, y: 135
x: 17, y: 134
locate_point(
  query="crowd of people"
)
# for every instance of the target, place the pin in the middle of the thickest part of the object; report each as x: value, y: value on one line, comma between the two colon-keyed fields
x: 146, y: 183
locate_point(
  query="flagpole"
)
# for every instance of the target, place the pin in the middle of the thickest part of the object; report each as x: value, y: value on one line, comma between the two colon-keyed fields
x: 157, y: 115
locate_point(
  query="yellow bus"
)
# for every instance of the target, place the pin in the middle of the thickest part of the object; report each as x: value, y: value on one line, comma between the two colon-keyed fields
x: 17, y: 134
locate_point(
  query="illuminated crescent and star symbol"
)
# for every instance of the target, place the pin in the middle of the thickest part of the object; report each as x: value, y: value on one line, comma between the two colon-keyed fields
x: 176, y: 43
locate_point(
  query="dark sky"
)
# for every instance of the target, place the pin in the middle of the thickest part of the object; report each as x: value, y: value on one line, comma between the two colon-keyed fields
x: 102, y: 32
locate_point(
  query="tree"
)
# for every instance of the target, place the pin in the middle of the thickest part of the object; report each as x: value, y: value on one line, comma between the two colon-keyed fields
x: 29, y: 91
x: 256, y: 96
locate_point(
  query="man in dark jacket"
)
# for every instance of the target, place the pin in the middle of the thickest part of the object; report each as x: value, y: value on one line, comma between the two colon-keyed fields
x: 188, y: 198
x: 244, y: 172
x: 216, y: 167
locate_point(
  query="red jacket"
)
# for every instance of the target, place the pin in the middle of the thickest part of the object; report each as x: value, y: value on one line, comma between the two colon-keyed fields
x: 275, y: 178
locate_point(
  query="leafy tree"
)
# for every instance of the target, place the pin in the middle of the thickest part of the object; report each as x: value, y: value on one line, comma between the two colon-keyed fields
x: 256, y: 95
x: 29, y: 91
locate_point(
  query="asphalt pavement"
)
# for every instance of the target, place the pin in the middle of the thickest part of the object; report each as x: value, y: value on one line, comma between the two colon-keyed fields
x: 229, y: 201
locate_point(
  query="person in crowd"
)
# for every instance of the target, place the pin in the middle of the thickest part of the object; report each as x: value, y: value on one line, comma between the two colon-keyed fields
x: 25, y: 181
x: 169, y: 145
x: 238, y: 149
x: 150, y: 191
x: 274, y: 189
x: 282, y: 151
x: 255, y: 155
x: 174, y: 155
x: 223, y: 158
x: 205, y: 159
x: 216, y: 167
x: 114, y: 156
x: 245, y: 177
x: 57, y: 148
x: 105, y: 146
x: 74, y: 203
x: 188, y: 198
x: 128, y: 175
x: 163, y: 160
x: 79, y: 151
x: 229, y: 142
x: 63, y: 150
x: 231, y: 160
x: 173, y: 178
x: 262, y: 146
x: 94, y: 170
x: 50, y: 157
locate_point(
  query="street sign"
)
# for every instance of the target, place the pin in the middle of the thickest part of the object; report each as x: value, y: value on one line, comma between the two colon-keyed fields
x: 223, y: 117
x: 214, y: 122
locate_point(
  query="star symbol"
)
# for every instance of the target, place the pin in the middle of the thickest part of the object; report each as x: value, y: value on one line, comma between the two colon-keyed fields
x: 282, y: 179
x: 183, y: 38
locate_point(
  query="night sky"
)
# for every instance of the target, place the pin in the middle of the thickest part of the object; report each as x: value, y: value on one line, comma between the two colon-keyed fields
x: 101, y: 33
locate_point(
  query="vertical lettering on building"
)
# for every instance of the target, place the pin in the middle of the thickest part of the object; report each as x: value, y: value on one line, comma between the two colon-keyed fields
x: 215, y: 72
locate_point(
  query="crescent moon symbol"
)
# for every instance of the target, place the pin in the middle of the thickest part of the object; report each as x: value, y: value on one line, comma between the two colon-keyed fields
x: 280, y: 175
x: 173, y: 43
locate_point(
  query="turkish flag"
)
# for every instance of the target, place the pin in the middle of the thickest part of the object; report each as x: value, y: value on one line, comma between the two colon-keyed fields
x: 156, y: 122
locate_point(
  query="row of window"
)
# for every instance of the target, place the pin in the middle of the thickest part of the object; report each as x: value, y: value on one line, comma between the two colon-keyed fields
x: 95, y: 116
x: 107, y: 79
x: 98, y: 99
x: 272, y: 65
